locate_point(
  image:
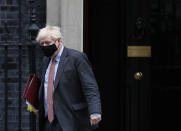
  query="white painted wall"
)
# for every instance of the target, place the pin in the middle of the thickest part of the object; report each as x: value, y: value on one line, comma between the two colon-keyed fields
x: 68, y: 14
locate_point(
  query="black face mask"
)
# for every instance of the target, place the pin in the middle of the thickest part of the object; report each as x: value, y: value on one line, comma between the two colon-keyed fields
x: 49, y: 50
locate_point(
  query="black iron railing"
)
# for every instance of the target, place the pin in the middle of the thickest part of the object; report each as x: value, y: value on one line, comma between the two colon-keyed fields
x: 21, y: 53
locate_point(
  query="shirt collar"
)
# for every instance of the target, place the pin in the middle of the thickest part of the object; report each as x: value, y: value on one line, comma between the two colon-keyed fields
x: 57, y: 58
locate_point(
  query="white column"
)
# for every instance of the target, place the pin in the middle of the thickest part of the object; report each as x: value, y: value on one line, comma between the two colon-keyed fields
x: 53, y: 12
x: 68, y: 14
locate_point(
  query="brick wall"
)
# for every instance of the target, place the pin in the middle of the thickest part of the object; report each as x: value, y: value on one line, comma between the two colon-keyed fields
x: 9, y: 12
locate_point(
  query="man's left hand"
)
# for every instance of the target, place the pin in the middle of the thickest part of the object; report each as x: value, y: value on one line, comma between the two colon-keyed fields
x: 95, y: 120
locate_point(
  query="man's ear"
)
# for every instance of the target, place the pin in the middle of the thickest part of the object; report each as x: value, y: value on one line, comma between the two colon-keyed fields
x: 59, y: 40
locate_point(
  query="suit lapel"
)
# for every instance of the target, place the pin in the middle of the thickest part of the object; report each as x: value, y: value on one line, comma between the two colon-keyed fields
x: 62, y: 63
x: 47, y: 61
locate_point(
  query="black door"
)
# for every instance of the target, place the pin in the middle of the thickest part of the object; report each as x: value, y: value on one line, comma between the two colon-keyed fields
x: 140, y: 88
x: 160, y: 28
x: 165, y: 27
x: 109, y: 28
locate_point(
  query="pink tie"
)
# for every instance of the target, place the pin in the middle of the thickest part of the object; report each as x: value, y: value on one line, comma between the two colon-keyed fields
x: 50, y: 92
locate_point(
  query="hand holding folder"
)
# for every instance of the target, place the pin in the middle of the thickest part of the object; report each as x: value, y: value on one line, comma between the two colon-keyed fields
x: 31, y: 92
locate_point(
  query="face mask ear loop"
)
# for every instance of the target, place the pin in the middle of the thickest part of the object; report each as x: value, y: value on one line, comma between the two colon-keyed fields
x: 55, y: 44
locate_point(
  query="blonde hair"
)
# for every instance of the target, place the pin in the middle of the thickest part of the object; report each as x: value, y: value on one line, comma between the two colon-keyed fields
x: 49, y: 31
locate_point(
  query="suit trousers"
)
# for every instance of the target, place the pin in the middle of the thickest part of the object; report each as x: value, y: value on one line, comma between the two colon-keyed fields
x: 53, y: 126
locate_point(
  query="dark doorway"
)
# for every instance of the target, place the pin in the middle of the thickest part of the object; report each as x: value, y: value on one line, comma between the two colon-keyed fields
x: 109, y: 29
x: 166, y: 64
x: 102, y: 44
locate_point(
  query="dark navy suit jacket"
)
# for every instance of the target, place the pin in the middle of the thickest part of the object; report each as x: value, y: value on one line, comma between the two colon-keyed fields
x: 76, y: 94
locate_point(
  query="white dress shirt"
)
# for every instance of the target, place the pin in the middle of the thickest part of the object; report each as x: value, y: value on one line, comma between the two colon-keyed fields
x: 57, y: 59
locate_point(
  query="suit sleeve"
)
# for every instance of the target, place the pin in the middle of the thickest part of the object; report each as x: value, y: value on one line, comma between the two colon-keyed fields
x: 89, y: 85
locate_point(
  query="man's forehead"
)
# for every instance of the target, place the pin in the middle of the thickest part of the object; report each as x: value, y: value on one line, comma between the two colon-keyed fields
x: 46, y: 38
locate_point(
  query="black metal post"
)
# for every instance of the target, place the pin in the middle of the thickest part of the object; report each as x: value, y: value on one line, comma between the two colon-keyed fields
x: 19, y: 23
x: 32, y: 70
x: 5, y: 88
x: 6, y: 76
x: 19, y: 83
x: 33, y: 29
x: 19, y: 67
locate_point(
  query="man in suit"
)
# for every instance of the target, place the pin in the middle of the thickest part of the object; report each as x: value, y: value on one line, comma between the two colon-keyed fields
x: 69, y: 98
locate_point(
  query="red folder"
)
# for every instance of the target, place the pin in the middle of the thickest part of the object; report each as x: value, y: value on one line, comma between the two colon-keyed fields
x: 31, y: 90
